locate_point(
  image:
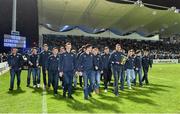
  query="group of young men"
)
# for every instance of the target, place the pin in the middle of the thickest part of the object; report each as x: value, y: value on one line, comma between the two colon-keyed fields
x: 88, y: 63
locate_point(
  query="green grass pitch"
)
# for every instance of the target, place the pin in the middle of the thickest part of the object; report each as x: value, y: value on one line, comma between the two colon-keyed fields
x: 162, y: 95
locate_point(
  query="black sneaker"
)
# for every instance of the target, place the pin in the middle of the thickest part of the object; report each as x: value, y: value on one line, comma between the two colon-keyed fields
x: 121, y: 88
x: 90, y: 95
x: 18, y: 88
x: 27, y: 85
x: 70, y: 97
x: 86, y: 98
x: 117, y: 95
x: 10, y: 89
x: 64, y: 95
x: 81, y: 85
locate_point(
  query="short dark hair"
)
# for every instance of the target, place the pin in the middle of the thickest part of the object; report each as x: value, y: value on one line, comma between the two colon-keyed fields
x: 68, y: 43
x: 88, y: 45
x: 33, y: 48
x: 146, y: 50
x: 131, y: 50
x: 13, y: 48
x: 83, y: 46
x: 62, y: 47
x: 106, y: 47
x: 55, y: 48
x: 138, y: 51
x: 45, y: 45
x: 118, y: 44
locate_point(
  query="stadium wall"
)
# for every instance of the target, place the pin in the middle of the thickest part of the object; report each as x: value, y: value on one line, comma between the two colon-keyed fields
x: 169, y: 61
x: 4, y: 67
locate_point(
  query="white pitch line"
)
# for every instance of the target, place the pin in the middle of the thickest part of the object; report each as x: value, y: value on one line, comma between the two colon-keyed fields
x: 44, y: 103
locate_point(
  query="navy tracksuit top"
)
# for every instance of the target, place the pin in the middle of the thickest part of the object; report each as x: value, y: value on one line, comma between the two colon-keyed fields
x: 43, y: 60
x: 97, y: 62
x: 15, y: 62
x: 53, y: 63
x: 138, y: 62
x: 129, y: 63
x: 86, y: 62
x: 67, y: 62
x: 105, y: 61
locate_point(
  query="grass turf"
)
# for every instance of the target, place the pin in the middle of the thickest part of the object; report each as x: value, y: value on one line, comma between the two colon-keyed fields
x: 162, y: 95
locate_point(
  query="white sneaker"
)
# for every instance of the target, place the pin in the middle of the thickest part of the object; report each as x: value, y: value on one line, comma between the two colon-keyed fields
x: 44, y: 87
x: 38, y: 85
x: 105, y: 90
x: 34, y: 86
x: 130, y: 88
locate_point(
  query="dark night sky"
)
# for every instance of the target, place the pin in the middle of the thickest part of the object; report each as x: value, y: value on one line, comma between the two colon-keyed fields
x: 27, y: 19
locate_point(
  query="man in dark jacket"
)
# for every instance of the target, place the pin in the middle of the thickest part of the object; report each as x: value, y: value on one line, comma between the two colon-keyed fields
x: 85, y: 66
x: 138, y: 67
x: 129, y: 67
x: 53, y: 70
x: 97, y: 63
x: 67, y: 68
x: 117, y: 68
x: 146, y: 63
x: 106, y: 66
x: 15, y: 62
x: 44, y: 55
x: 80, y: 51
x: 35, y: 68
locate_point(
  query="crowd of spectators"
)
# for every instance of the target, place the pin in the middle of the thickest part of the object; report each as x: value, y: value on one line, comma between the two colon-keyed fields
x: 158, y: 49
x: 3, y: 57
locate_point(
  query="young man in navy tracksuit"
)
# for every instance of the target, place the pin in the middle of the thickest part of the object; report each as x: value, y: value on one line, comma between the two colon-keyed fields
x: 34, y: 66
x: 146, y: 63
x: 138, y: 67
x: 117, y: 68
x: 129, y: 67
x: 44, y: 55
x: 53, y: 69
x: 15, y: 62
x: 106, y: 66
x: 81, y: 50
x: 29, y: 69
x: 86, y: 67
x: 67, y: 69
x: 97, y: 62
x: 75, y: 77
x: 61, y: 51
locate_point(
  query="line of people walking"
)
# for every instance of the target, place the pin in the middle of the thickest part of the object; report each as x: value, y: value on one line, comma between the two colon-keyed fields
x: 88, y: 64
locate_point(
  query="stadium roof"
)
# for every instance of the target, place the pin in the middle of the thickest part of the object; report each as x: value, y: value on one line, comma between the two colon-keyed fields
x: 147, y: 18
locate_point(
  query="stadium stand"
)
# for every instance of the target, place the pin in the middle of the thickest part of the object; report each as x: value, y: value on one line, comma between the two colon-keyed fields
x: 158, y: 49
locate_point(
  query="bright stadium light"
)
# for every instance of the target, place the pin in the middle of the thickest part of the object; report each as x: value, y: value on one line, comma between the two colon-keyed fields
x: 49, y: 25
x: 64, y: 28
x: 139, y: 3
x: 175, y: 23
x: 176, y: 11
x: 162, y: 30
x: 154, y: 12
